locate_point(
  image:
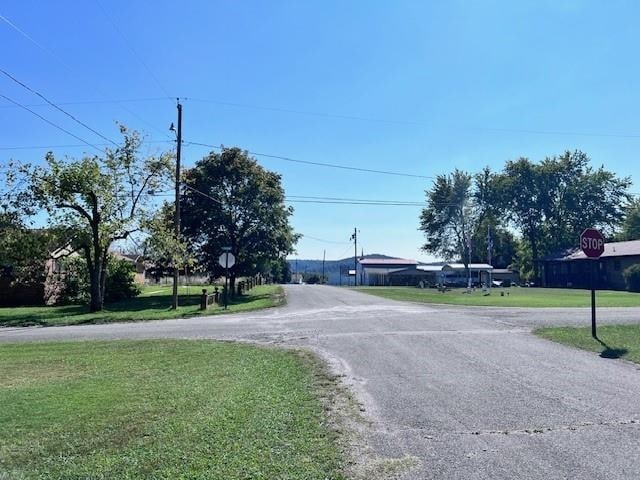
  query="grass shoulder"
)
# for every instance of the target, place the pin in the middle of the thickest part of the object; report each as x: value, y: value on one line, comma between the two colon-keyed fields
x: 164, y: 409
x: 152, y: 304
x: 508, y: 297
x: 614, y: 341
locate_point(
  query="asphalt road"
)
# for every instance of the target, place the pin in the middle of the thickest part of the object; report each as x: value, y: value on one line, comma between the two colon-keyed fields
x: 467, y: 391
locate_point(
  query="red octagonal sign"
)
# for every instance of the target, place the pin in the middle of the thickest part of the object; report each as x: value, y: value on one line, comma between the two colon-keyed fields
x: 592, y: 243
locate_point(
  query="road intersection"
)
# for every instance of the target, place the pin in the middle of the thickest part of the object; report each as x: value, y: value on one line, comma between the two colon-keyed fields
x: 468, y: 392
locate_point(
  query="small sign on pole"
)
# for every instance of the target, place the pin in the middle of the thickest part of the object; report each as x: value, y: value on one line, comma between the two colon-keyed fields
x: 226, y: 260
x: 592, y: 244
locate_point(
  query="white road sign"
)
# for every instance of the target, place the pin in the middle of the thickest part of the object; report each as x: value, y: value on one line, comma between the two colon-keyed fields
x: 227, y: 260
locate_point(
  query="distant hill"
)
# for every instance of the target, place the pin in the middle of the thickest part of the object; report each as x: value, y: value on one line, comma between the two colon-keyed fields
x: 331, y: 267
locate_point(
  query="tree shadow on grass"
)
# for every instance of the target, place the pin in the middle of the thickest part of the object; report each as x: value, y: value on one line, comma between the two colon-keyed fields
x: 609, y: 352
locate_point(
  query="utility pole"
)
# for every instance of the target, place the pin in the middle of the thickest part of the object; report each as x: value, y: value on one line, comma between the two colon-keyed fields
x: 324, y: 254
x: 354, y: 237
x: 489, y: 248
x: 176, y: 218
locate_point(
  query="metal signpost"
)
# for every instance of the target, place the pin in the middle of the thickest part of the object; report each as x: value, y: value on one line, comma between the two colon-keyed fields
x: 592, y: 244
x: 226, y: 260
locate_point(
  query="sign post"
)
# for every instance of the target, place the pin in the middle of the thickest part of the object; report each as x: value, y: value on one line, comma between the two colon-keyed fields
x: 226, y: 260
x: 592, y: 244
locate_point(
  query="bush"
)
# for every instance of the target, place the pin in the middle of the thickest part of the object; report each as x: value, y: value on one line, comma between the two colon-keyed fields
x: 120, y: 283
x: 632, y: 277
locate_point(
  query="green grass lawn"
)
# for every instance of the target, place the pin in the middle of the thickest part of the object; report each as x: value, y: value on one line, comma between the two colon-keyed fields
x: 513, y: 297
x: 163, y: 410
x: 152, y: 304
x: 614, y: 341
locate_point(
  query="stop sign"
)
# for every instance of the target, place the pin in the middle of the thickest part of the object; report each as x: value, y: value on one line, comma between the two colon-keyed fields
x: 592, y: 243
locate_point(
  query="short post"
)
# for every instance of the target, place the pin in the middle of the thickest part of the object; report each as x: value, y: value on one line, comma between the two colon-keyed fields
x: 203, y: 299
x: 239, y: 288
x: 216, y: 294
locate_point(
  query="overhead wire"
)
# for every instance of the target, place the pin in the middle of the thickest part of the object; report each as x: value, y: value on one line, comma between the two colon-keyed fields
x: 73, y: 145
x: 52, y: 123
x: 69, y: 69
x: 126, y: 41
x: 49, y: 102
x: 320, y: 164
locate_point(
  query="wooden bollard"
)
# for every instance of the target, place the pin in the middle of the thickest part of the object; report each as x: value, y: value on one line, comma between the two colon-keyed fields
x: 203, y: 299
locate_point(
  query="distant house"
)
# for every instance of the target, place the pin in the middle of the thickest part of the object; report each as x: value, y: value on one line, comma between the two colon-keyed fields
x: 402, y: 272
x: 377, y: 271
x: 572, y: 269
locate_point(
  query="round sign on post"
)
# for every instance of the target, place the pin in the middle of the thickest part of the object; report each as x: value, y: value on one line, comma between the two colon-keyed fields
x: 592, y: 243
x: 227, y: 260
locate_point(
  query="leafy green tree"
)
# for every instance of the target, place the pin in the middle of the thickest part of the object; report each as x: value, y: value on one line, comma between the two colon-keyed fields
x: 493, y: 244
x: 95, y: 200
x: 632, y: 277
x: 231, y: 201
x: 120, y: 282
x: 23, y: 255
x: 553, y: 201
x: 631, y: 224
x: 161, y: 246
x: 450, y: 218
x: 280, y: 270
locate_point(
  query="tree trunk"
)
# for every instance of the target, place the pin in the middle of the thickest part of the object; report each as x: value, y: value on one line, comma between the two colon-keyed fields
x: 96, y: 304
x: 534, y: 259
x: 103, y: 275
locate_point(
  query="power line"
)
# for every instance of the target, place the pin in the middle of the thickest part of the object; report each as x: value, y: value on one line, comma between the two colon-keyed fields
x: 321, y: 164
x: 303, y: 112
x: 72, y: 145
x: 28, y: 88
x: 304, y: 235
x: 381, y: 204
x: 51, y: 123
x: 126, y: 41
x: 97, y: 102
x: 69, y: 69
x: 305, y: 197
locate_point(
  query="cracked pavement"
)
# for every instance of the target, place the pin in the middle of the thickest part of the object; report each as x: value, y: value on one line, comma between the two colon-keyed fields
x: 467, y: 391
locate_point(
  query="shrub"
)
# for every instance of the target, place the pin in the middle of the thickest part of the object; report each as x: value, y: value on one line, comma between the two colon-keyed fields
x: 632, y: 277
x: 120, y: 283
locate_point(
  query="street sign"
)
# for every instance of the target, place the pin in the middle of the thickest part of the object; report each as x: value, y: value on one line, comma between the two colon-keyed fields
x: 592, y: 243
x: 227, y: 260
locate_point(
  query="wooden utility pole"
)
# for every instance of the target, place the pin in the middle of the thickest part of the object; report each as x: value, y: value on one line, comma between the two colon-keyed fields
x: 354, y: 237
x: 176, y: 218
x: 324, y: 254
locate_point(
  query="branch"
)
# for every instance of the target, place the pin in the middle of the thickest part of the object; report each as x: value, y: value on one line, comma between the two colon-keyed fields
x: 77, y: 208
x: 137, y: 197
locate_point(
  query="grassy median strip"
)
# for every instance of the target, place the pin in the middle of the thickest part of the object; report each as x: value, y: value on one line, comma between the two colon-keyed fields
x: 152, y: 304
x: 614, y: 341
x: 164, y: 410
x: 508, y: 297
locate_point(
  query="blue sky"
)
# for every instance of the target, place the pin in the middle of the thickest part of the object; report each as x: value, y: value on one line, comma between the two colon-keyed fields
x: 426, y: 86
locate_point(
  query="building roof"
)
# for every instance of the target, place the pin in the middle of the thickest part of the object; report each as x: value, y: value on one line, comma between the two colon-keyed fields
x: 611, y: 249
x: 454, y: 266
x: 386, y: 261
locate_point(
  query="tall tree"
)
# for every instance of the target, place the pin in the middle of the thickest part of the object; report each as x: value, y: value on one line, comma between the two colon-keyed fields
x: 553, y: 201
x: 95, y: 200
x: 231, y: 201
x: 450, y: 218
x: 525, y: 196
x: 631, y: 224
